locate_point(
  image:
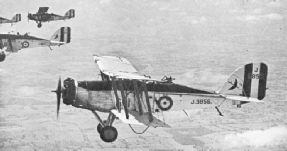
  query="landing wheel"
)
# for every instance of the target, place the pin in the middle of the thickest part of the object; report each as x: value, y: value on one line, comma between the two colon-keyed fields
x: 164, y: 103
x: 109, y: 134
x: 39, y: 25
x: 100, y: 127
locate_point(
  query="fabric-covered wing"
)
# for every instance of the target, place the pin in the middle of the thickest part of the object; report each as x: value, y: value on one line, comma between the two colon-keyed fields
x: 118, y: 67
x: 136, y: 119
x: 42, y: 10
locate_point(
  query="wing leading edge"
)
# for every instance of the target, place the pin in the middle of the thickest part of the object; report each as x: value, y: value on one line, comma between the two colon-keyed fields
x: 42, y: 10
x: 118, y: 67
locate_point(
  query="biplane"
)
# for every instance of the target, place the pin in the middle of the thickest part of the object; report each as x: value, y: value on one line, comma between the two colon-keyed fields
x: 135, y: 98
x: 15, y: 19
x: 12, y: 43
x: 42, y: 16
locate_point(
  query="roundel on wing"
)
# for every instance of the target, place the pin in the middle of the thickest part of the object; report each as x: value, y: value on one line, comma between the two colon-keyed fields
x: 25, y: 44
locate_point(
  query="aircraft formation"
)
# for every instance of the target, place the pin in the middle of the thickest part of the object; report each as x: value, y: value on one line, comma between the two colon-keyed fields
x: 133, y: 97
x: 12, y: 43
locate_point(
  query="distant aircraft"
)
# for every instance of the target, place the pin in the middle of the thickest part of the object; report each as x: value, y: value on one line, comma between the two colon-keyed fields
x: 43, y: 16
x: 134, y: 98
x: 15, y: 19
x: 11, y: 43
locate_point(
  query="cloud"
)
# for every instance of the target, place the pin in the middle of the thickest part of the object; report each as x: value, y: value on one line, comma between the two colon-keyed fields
x: 195, y: 20
x: 257, y: 11
x: 248, y: 18
x: 202, y: 19
x: 274, y: 4
x: 258, y: 138
x: 105, y: 1
x: 274, y: 16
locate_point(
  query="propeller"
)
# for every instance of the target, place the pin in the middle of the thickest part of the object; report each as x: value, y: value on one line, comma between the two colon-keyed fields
x: 28, y: 17
x: 58, y: 92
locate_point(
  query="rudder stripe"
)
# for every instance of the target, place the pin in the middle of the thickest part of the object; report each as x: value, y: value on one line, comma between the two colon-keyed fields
x: 247, y: 80
x: 62, y: 32
x: 262, y: 81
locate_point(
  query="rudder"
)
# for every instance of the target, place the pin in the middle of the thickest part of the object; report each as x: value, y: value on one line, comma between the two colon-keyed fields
x: 62, y: 35
x: 70, y: 13
x: 17, y: 18
x: 255, y: 79
x: 247, y: 81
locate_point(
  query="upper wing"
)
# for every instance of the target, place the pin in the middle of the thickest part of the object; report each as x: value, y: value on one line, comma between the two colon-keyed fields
x: 118, y: 67
x: 42, y: 10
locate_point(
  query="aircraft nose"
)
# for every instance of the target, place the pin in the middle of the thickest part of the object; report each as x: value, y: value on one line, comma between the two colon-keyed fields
x: 68, y: 92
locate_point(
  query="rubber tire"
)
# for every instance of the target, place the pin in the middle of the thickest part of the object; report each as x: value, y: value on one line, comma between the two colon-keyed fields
x: 39, y: 25
x: 161, y: 100
x: 109, y: 134
x: 99, y: 127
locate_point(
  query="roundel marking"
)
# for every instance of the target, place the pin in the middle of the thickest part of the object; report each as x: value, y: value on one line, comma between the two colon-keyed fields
x: 25, y: 44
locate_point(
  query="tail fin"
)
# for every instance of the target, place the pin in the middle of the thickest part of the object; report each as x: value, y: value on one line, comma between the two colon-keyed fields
x: 62, y: 35
x: 70, y: 14
x: 17, y: 18
x: 248, y: 81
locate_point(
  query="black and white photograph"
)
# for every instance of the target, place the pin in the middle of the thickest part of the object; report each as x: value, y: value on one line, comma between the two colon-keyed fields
x: 143, y: 75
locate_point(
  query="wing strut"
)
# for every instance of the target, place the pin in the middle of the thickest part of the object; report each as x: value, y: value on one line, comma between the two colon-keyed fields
x: 114, y: 84
x: 136, y: 90
x: 147, y: 101
x: 124, y: 98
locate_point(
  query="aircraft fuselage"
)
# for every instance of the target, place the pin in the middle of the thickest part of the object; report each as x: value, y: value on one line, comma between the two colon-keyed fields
x: 14, y: 43
x: 99, y: 95
x: 45, y: 17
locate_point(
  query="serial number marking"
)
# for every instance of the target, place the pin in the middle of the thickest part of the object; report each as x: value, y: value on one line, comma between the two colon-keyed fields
x: 201, y: 101
x: 255, y: 76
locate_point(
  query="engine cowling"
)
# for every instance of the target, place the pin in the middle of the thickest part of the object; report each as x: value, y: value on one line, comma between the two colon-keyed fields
x: 2, y: 56
x: 77, y: 95
x: 69, y: 91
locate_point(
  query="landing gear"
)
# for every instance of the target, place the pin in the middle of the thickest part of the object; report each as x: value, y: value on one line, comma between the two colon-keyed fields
x: 107, y: 132
x: 100, y: 127
x: 39, y: 25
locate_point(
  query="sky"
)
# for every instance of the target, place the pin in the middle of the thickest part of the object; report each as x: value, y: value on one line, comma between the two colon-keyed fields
x: 159, y: 16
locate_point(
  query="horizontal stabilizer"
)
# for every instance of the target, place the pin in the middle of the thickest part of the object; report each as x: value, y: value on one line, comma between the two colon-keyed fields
x: 137, y: 119
x: 241, y: 98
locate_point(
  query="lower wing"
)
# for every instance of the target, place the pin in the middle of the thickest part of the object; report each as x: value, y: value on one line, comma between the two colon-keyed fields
x: 137, y: 119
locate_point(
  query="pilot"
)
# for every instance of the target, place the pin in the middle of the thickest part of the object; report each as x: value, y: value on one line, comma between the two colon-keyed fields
x: 167, y: 79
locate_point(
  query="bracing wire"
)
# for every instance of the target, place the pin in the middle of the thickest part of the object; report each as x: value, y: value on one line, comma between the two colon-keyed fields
x: 138, y: 132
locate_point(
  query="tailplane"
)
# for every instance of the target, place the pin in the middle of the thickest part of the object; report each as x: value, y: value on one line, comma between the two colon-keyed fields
x: 17, y: 18
x: 246, y: 84
x: 62, y: 35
